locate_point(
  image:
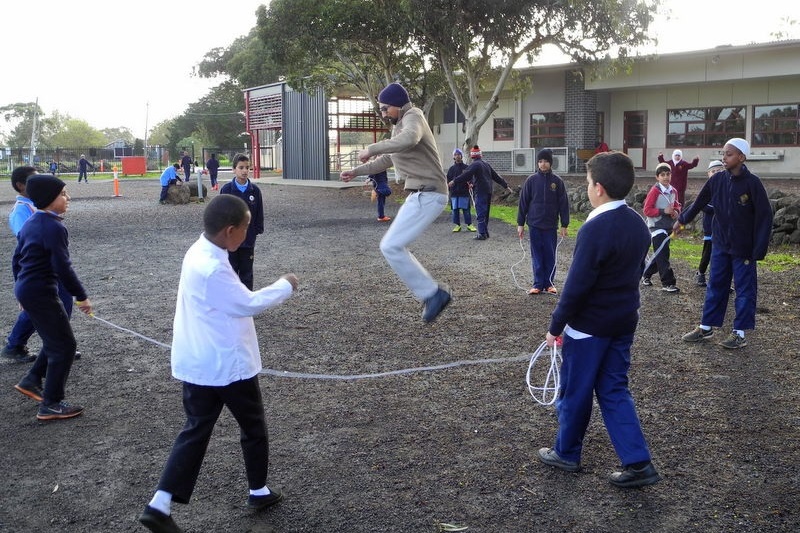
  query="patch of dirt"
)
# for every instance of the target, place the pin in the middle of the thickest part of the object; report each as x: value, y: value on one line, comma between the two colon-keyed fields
x: 405, y: 452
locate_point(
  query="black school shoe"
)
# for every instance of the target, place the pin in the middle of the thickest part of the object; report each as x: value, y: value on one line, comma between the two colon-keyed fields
x: 262, y: 502
x: 635, y: 477
x: 158, y: 522
x: 436, y: 303
x: 17, y: 354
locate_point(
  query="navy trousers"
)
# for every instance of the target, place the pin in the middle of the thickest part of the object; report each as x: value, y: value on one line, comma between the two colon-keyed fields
x: 23, y: 327
x: 483, y: 203
x: 543, y: 256
x: 725, y: 267
x: 46, y: 311
x: 598, y: 366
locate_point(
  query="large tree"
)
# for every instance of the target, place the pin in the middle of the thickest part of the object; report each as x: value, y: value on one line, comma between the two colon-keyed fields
x: 479, y: 42
x: 347, y: 45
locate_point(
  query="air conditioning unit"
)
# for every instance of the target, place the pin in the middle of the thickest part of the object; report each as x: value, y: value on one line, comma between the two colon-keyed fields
x: 523, y: 160
x: 560, y: 159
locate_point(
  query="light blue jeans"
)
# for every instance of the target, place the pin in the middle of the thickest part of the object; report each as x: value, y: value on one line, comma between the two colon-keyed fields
x: 417, y: 213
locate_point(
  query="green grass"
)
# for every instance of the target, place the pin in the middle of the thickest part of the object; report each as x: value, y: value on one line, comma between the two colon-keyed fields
x: 687, y: 247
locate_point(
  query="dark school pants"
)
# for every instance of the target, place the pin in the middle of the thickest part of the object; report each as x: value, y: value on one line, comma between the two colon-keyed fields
x: 203, y: 405
x: 598, y: 366
x: 724, y: 268
x: 483, y: 203
x: 242, y: 262
x: 51, y: 320
x: 660, y: 262
x: 543, y: 256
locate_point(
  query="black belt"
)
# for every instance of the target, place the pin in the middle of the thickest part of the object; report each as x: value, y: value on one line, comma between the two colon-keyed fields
x: 422, y: 189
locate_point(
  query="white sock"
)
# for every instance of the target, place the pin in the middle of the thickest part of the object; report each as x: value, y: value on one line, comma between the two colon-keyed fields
x: 705, y: 328
x: 263, y: 491
x: 161, y: 501
x: 739, y: 332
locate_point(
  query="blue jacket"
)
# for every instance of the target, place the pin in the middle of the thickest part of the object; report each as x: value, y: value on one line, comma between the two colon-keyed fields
x: 601, y: 293
x: 742, y: 224
x: 543, y: 201
x: 23, y: 210
x: 41, y: 259
x: 252, y: 197
x: 482, y: 175
x: 170, y: 173
x: 212, y: 165
x: 460, y: 188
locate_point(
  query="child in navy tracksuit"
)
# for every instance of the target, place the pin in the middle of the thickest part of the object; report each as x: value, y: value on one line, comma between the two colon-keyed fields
x: 542, y: 202
x: 241, y: 186
x: 661, y: 208
x: 459, y: 193
x: 482, y: 176
x: 741, y: 232
x: 597, y: 314
x: 380, y: 190
x: 16, y: 348
x: 41, y: 261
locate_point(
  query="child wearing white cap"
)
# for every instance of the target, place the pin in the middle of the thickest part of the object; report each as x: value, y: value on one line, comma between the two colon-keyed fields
x: 741, y: 232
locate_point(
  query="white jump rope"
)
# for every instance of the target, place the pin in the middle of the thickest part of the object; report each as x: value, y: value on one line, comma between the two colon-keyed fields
x: 526, y: 257
x: 548, y: 392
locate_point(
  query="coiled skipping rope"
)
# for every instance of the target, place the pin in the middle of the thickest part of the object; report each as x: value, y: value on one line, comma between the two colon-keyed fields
x: 548, y: 392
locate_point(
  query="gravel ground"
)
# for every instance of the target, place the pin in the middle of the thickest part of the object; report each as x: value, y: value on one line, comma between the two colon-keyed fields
x: 404, y: 452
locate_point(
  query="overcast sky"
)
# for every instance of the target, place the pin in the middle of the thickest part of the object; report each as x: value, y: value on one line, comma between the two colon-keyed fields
x: 105, y: 62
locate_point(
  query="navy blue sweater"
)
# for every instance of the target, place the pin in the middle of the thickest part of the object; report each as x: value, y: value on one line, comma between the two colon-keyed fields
x: 461, y: 188
x: 742, y: 224
x: 542, y: 201
x: 41, y: 259
x: 482, y: 175
x: 601, y: 293
x: 252, y: 197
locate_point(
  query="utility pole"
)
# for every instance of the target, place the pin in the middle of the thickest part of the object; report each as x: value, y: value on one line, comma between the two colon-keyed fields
x: 33, y: 132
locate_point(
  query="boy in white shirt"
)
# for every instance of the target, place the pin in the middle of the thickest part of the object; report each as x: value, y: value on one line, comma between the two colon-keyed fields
x: 218, y: 365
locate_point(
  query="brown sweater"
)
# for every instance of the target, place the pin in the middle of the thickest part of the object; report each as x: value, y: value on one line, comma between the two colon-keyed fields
x: 412, y: 151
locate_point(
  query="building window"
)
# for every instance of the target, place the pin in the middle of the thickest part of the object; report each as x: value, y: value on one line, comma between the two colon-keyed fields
x: 705, y: 127
x: 452, y: 114
x: 776, y: 125
x: 504, y: 129
x: 547, y: 129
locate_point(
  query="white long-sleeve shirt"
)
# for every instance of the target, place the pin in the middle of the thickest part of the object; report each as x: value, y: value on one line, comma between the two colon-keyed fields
x: 214, y: 337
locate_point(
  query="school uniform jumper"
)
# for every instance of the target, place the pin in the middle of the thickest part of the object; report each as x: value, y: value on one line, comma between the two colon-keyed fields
x: 242, y: 259
x: 741, y: 230
x: 215, y: 354
x: 413, y: 153
x: 598, y: 312
x: 482, y: 176
x: 459, y: 195
x: 23, y: 328
x: 660, y: 226
x: 542, y: 203
x: 41, y: 261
